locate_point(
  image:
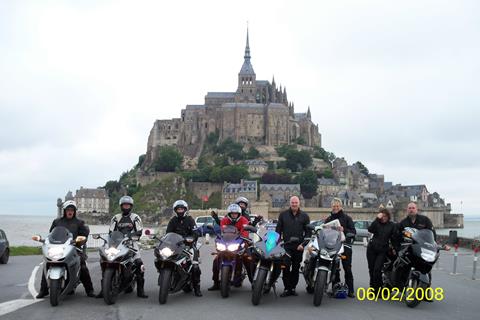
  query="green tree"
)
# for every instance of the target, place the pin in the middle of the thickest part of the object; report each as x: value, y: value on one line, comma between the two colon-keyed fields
x: 141, y: 160
x: 283, y: 149
x: 301, y: 141
x: 308, y: 183
x: 361, y: 167
x: 327, y: 173
x: 252, y: 153
x: 112, y: 186
x: 169, y: 159
x: 323, y: 154
x: 234, y: 173
x: 298, y: 160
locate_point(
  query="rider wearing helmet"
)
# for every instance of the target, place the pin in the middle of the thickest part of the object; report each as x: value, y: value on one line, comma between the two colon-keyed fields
x: 77, y: 227
x: 234, y: 217
x: 243, y: 203
x: 130, y: 224
x: 183, y: 224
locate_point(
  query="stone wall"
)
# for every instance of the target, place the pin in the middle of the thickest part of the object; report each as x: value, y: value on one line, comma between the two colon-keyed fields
x: 200, y: 189
x: 453, y: 220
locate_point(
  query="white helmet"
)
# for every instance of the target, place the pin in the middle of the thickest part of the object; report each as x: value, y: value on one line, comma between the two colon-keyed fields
x: 125, y: 199
x: 241, y: 199
x: 234, y: 208
x: 70, y: 203
x: 180, y: 204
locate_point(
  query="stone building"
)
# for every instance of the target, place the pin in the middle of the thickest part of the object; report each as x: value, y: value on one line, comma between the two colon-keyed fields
x: 256, y: 168
x: 257, y: 113
x: 231, y: 191
x: 92, y: 200
x: 278, y: 195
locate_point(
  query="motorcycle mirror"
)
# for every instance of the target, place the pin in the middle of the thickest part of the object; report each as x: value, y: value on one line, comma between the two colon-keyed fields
x: 250, y: 228
x: 96, y: 236
x: 310, y: 227
x: 147, y: 232
x: 37, y: 238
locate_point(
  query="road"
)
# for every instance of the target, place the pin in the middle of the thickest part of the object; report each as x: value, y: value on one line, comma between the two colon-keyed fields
x: 461, y: 299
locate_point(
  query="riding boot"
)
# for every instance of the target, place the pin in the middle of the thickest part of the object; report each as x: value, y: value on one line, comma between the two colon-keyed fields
x: 140, y: 284
x: 43, y: 288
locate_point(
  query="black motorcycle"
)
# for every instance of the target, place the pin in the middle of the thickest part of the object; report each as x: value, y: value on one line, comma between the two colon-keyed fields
x: 411, y: 270
x: 271, y: 257
x: 174, y: 262
x: 117, y: 261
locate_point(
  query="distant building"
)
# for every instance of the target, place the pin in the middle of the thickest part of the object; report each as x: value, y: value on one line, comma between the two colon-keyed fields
x: 92, y: 200
x: 278, y: 195
x: 232, y: 191
x: 256, y: 168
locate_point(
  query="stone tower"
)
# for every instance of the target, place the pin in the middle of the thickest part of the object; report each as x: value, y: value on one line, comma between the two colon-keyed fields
x: 247, y: 87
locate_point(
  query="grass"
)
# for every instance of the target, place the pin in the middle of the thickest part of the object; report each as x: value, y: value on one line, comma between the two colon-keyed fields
x: 25, y: 251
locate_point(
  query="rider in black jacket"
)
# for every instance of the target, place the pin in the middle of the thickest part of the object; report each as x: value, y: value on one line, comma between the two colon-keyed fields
x: 383, y: 231
x: 415, y: 220
x: 184, y: 225
x: 347, y: 227
x: 293, y: 223
x: 77, y: 227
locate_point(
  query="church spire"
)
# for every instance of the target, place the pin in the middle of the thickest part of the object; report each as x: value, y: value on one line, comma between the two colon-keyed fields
x: 247, y: 68
x: 309, y: 114
x: 247, y: 48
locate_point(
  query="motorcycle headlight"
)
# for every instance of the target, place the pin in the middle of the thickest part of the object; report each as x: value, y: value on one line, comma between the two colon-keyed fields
x: 111, y: 252
x: 233, y: 247
x: 324, y: 252
x: 166, y: 252
x: 221, y: 247
x: 428, y: 255
x: 55, y: 253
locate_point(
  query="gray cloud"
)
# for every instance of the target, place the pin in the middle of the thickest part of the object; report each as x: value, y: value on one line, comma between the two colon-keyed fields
x: 392, y: 85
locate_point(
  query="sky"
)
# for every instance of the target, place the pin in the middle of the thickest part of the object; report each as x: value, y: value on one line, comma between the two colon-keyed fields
x: 394, y: 84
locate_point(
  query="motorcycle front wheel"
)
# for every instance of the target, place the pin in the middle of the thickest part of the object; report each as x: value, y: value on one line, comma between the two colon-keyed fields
x: 164, y: 280
x: 258, y: 286
x: 110, y: 293
x: 55, y: 291
x: 225, y: 281
x: 415, y: 284
x: 319, y: 288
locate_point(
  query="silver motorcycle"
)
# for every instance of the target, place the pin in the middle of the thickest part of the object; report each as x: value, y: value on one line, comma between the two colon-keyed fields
x: 61, y: 262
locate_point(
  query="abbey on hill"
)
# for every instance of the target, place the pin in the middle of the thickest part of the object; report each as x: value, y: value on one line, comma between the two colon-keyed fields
x: 257, y: 113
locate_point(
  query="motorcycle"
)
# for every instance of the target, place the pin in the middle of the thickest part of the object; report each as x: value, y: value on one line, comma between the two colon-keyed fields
x: 117, y: 262
x: 62, y: 262
x: 412, y: 267
x: 271, y: 257
x: 174, y: 260
x: 322, y: 260
x: 230, y: 248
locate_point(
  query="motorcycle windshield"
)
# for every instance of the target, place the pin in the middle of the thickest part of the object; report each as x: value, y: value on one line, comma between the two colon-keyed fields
x: 59, y: 235
x: 330, y: 238
x: 229, y: 233
x: 271, y: 239
x: 172, y: 240
x: 424, y: 236
x: 116, y: 237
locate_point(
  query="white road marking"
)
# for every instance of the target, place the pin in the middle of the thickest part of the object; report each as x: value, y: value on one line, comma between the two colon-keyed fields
x: 14, y: 305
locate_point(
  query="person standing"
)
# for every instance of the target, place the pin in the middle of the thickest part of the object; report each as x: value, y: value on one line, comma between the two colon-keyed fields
x: 292, y: 223
x: 383, y: 231
x: 347, y: 227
